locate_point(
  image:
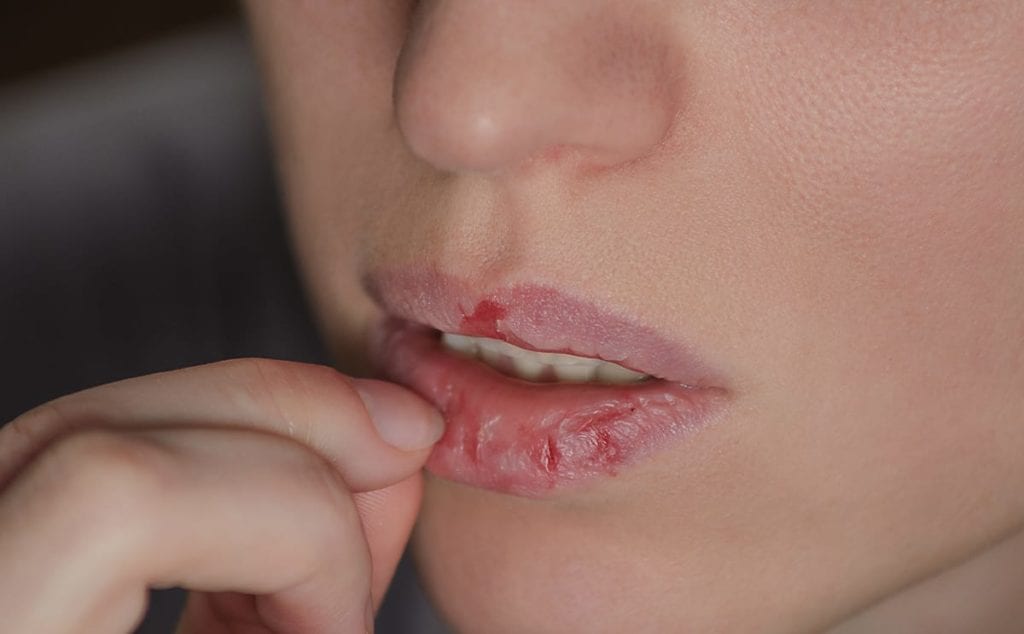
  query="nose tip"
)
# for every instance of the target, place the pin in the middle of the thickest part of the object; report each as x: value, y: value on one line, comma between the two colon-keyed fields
x: 476, y: 96
x: 471, y: 127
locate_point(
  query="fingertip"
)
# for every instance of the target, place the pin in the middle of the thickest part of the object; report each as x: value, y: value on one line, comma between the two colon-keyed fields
x: 402, y: 419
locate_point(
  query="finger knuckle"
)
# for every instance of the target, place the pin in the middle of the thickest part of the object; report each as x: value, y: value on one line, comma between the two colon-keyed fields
x: 267, y: 374
x: 30, y: 427
x: 102, y: 475
x: 294, y: 393
x: 266, y: 383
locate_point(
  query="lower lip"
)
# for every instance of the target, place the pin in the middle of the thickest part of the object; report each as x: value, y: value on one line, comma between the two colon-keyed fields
x: 532, y: 439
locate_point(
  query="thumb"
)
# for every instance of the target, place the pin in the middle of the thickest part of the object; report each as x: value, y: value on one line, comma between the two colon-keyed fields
x: 388, y: 516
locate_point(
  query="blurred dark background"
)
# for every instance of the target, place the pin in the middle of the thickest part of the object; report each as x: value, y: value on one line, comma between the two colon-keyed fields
x: 140, y: 221
x: 40, y: 35
x: 139, y: 224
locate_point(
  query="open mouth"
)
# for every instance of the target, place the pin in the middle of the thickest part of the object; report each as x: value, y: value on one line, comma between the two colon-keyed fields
x: 526, y: 413
x: 546, y: 367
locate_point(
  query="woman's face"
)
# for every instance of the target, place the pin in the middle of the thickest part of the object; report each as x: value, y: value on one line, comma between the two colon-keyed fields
x: 821, y: 202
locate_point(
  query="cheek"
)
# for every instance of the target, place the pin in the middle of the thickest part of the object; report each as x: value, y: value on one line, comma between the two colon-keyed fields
x: 896, y: 148
x: 887, y: 156
x: 328, y: 68
x: 887, y: 161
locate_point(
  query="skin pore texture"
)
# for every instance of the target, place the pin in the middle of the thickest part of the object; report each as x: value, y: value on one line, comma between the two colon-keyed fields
x: 824, y: 199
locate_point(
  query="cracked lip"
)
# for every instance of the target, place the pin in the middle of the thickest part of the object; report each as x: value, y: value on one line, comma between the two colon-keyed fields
x: 534, y: 439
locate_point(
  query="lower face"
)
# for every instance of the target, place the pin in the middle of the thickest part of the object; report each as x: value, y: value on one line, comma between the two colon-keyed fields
x: 832, y: 233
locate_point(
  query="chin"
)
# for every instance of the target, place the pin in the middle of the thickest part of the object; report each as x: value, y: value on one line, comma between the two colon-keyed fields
x: 495, y: 564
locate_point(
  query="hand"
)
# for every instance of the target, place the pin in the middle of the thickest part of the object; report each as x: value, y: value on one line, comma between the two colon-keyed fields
x: 281, y: 494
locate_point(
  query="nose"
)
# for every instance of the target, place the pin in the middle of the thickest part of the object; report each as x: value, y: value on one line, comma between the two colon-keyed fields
x: 483, y: 85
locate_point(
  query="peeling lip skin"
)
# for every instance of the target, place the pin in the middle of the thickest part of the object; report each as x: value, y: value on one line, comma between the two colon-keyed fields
x: 534, y: 439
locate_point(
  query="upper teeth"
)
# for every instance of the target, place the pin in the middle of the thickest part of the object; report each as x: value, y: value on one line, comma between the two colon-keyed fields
x: 535, y: 366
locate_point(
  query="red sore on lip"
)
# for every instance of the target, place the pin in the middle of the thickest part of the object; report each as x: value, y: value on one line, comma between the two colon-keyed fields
x: 533, y: 439
x: 483, y: 322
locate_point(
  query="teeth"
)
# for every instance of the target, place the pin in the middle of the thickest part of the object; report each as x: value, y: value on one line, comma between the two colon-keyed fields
x: 537, y: 366
x: 576, y: 372
x: 529, y: 369
x: 615, y: 373
x: 491, y: 355
x: 462, y: 344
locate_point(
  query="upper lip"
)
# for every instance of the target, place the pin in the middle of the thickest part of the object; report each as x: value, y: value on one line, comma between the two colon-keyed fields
x: 536, y: 317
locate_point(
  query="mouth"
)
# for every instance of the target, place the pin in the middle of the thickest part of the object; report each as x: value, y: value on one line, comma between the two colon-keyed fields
x: 541, y: 392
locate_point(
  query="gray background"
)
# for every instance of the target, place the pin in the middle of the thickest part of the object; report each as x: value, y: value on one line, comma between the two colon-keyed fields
x: 140, y: 231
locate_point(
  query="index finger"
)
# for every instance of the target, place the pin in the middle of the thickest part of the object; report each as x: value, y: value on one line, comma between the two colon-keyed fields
x: 314, y: 405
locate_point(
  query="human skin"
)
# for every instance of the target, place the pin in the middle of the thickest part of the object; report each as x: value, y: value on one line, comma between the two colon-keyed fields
x: 279, y: 494
x: 823, y: 198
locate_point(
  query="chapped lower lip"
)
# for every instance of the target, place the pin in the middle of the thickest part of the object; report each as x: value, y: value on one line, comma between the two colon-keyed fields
x: 534, y: 439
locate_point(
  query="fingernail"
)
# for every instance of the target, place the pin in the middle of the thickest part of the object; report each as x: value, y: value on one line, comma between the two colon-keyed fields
x: 403, y: 420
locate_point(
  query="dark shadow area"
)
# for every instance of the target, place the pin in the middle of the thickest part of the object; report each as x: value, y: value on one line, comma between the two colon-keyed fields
x: 40, y: 35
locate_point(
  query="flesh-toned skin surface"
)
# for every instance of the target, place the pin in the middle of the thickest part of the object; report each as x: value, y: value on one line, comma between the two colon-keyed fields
x: 823, y: 200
